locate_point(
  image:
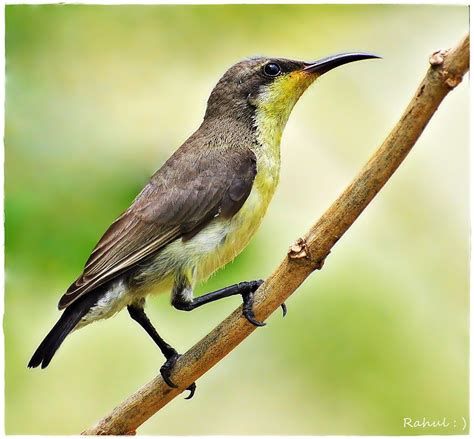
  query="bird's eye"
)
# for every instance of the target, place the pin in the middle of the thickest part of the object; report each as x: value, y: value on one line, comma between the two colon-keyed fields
x: 271, y: 69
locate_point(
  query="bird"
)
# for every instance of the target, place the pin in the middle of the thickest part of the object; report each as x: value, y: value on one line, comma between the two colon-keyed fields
x: 198, y: 211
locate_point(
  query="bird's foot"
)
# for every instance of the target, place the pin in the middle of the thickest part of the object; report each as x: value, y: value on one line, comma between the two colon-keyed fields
x: 166, y: 369
x: 248, y: 298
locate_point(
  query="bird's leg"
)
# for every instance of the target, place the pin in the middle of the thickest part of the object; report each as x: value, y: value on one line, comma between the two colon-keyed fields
x: 137, y: 313
x: 182, y: 297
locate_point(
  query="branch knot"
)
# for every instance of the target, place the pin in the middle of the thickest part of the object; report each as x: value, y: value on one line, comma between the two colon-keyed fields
x: 451, y: 80
x: 299, y: 250
x: 437, y: 57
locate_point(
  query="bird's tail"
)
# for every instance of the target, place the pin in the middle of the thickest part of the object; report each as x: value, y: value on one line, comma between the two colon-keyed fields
x: 66, y: 323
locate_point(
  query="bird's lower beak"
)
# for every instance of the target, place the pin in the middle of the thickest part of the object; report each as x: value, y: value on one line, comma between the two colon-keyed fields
x: 325, y: 64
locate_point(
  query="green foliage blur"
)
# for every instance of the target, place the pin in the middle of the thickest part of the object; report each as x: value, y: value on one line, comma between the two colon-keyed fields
x: 97, y: 97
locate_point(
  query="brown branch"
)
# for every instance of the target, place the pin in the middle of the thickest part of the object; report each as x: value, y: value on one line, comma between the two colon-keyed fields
x: 306, y: 255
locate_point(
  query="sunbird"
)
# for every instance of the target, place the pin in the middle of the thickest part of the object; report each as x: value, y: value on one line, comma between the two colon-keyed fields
x: 199, y: 210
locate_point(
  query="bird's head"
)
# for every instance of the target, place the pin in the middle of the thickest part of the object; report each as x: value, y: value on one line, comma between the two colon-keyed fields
x: 269, y: 88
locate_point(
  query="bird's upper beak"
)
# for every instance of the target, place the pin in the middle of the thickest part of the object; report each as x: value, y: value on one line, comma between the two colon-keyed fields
x: 330, y: 62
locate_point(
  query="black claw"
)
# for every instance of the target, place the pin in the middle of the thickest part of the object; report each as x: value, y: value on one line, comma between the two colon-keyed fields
x: 248, y: 304
x: 165, y: 370
x: 192, y: 389
x: 284, y: 309
x: 166, y: 378
x: 250, y: 317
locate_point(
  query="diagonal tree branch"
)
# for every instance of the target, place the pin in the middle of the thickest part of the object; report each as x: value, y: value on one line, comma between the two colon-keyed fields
x: 306, y: 255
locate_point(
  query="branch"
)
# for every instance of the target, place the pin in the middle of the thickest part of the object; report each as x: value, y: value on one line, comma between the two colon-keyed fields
x: 306, y: 255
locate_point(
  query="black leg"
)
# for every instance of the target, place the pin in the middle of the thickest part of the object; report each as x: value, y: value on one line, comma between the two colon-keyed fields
x: 183, y: 300
x: 137, y: 313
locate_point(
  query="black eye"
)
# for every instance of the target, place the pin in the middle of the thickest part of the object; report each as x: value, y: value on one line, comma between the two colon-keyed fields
x: 271, y: 69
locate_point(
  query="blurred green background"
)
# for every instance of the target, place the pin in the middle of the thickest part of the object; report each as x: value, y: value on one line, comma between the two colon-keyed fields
x: 97, y: 97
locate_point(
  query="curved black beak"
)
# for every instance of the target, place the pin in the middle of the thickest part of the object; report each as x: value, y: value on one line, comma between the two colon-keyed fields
x: 325, y: 64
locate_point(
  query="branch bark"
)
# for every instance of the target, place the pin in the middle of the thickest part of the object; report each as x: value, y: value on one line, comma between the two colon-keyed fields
x: 447, y: 67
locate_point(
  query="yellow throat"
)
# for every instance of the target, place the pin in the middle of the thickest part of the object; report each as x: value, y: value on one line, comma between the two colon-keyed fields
x: 273, y: 107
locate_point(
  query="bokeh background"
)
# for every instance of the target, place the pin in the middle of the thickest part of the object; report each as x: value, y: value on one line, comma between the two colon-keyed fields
x: 97, y: 97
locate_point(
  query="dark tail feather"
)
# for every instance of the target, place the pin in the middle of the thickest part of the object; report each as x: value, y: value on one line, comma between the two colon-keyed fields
x: 68, y: 320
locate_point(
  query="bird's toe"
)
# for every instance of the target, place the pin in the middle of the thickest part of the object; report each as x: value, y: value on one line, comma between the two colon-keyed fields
x: 166, y: 369
x: 192, y: 390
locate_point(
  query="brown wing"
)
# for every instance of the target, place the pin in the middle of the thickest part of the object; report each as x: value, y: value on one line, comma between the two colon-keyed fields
x: 180, y: 199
